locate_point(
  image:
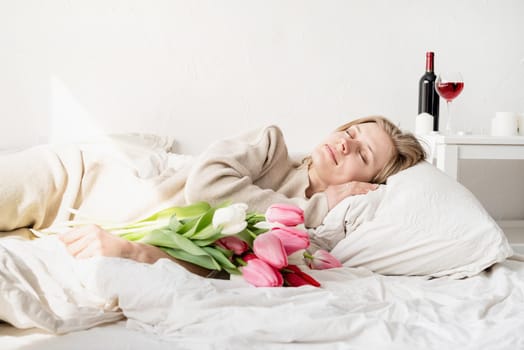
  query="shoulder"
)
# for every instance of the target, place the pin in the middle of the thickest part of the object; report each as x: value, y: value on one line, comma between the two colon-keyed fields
x: 271, y: 131
x: 263, y: 136
x: 270, y: 135
x: 267, y: 139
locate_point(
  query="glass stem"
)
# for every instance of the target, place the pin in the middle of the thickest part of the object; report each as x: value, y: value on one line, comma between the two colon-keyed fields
x: 449, y: 128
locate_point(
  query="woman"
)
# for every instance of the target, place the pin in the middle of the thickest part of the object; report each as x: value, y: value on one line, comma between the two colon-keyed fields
x: 256, y: 169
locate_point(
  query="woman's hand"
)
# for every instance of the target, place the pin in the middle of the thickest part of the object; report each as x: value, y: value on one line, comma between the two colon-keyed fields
x: 336, y: 193
x: 91, y: 240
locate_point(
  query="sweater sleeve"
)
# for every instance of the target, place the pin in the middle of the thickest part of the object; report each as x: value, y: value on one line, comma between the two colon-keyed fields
x: 229, y: 169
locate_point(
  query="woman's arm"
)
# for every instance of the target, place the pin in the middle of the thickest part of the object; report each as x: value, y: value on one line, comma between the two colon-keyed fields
x: 91, y: 240
x: 253, y: 168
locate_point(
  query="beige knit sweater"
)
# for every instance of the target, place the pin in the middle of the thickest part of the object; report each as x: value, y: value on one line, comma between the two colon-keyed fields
x: 39, y: 185
x: 256, y: 169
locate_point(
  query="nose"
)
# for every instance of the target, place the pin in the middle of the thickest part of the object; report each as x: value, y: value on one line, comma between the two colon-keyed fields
x: 347, y: 145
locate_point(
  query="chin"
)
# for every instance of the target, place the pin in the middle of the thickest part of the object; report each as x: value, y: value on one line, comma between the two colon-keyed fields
x: 319, y: 161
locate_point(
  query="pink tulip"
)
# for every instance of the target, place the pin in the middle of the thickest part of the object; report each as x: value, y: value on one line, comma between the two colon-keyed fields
x: 268, y: 247
x: 321, y: 260
x: 249, y: 256
x: 235, y: 244
x: 293, y: 239
x: 295, y: 277
x: 286, y: 214
x: 261, y: 274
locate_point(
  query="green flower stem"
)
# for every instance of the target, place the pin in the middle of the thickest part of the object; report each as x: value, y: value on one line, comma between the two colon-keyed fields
x: 240, y: 261
x: 308, y: 256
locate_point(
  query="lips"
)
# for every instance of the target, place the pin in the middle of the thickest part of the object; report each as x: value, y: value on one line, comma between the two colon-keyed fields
x: 331, y: 153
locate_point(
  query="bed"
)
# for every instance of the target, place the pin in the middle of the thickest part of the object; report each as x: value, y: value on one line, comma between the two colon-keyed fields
x: 355, y: 309
x: 446, y: 281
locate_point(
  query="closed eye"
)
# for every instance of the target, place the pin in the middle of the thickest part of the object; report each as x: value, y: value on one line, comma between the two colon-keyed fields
x: 363, y: 158
x: 368, y: 150
x: 361, y: 154
x: 350, y: 133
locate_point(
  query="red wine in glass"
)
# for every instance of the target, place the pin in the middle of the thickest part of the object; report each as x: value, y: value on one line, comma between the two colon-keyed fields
x: 449, y: 86
x: 449, y: 90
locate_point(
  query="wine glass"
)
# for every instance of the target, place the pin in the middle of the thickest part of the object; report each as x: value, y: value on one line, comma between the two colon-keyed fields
x: 449, y: 85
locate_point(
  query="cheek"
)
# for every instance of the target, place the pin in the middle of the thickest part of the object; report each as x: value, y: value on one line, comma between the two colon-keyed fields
x: 354, y: 170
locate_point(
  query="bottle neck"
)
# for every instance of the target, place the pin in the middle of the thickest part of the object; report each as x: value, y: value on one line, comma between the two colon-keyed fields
x: 429, y: 62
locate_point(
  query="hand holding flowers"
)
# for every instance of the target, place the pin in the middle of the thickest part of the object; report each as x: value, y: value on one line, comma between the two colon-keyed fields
x: 231, y: 239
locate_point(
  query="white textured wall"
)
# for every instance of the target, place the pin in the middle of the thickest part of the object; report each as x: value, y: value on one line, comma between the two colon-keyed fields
x: 203, y: 69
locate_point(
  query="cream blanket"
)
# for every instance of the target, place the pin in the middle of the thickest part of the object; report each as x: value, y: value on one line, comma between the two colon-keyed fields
x: 114, y: 179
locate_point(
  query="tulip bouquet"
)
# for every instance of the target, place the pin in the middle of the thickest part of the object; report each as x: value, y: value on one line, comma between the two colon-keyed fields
x: 268, y: 264
x: 229, y: 238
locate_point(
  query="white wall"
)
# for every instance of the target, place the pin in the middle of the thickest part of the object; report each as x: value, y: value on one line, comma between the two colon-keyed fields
x: 203, y: 69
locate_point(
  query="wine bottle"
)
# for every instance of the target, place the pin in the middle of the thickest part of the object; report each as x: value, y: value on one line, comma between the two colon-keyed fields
x: 428, y: 99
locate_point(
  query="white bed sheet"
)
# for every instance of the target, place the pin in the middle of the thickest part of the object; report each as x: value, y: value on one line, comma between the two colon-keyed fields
x: 169, y: 308
x: 111, y: 336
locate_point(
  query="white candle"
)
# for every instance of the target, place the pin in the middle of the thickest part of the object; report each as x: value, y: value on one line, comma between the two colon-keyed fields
x: 504, y: 124
x: 423, y: 124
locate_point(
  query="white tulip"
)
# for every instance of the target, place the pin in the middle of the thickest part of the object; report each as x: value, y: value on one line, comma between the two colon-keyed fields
x: 231, y: 219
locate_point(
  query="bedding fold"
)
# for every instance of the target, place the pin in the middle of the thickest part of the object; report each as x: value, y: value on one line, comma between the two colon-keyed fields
x: 46, y: 288
x: 40, y: 287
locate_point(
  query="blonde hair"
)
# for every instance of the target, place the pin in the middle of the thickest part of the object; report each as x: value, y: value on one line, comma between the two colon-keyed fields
x: 407, y: 149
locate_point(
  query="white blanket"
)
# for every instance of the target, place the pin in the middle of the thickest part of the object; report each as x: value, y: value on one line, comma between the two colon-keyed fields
x: 42, y: 286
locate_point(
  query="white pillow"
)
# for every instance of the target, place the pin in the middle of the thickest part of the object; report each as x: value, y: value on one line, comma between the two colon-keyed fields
x: 422, y: 222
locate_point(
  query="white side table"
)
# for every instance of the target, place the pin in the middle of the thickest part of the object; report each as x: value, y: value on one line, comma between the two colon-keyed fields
x: 446, y: 151
x: 449, y: 149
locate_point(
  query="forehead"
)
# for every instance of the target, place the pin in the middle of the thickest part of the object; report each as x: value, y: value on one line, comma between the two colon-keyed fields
x: 367, y: 127
x: 371, y: 130
x: 377, y: 138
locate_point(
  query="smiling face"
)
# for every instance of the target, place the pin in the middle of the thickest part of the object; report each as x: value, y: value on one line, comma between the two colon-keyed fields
x: 354, y: 154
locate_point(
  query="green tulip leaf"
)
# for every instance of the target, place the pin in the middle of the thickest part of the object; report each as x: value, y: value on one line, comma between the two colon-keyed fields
x: 205, y: 261
x: 188, y: 226
x: 133, y: 236
x: 219, y: 257
x: 163, y: 214
x: 246, y: 236
x: 160, y: 238
x: 191, y: 211
x: 228, y: 253
x: 207, y: 233
x: 235, y: 271
x: 170, y: 239
x: 174, y: 224
x: 208, y: 241
x: 203, y: 223
x: 199, y: 224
